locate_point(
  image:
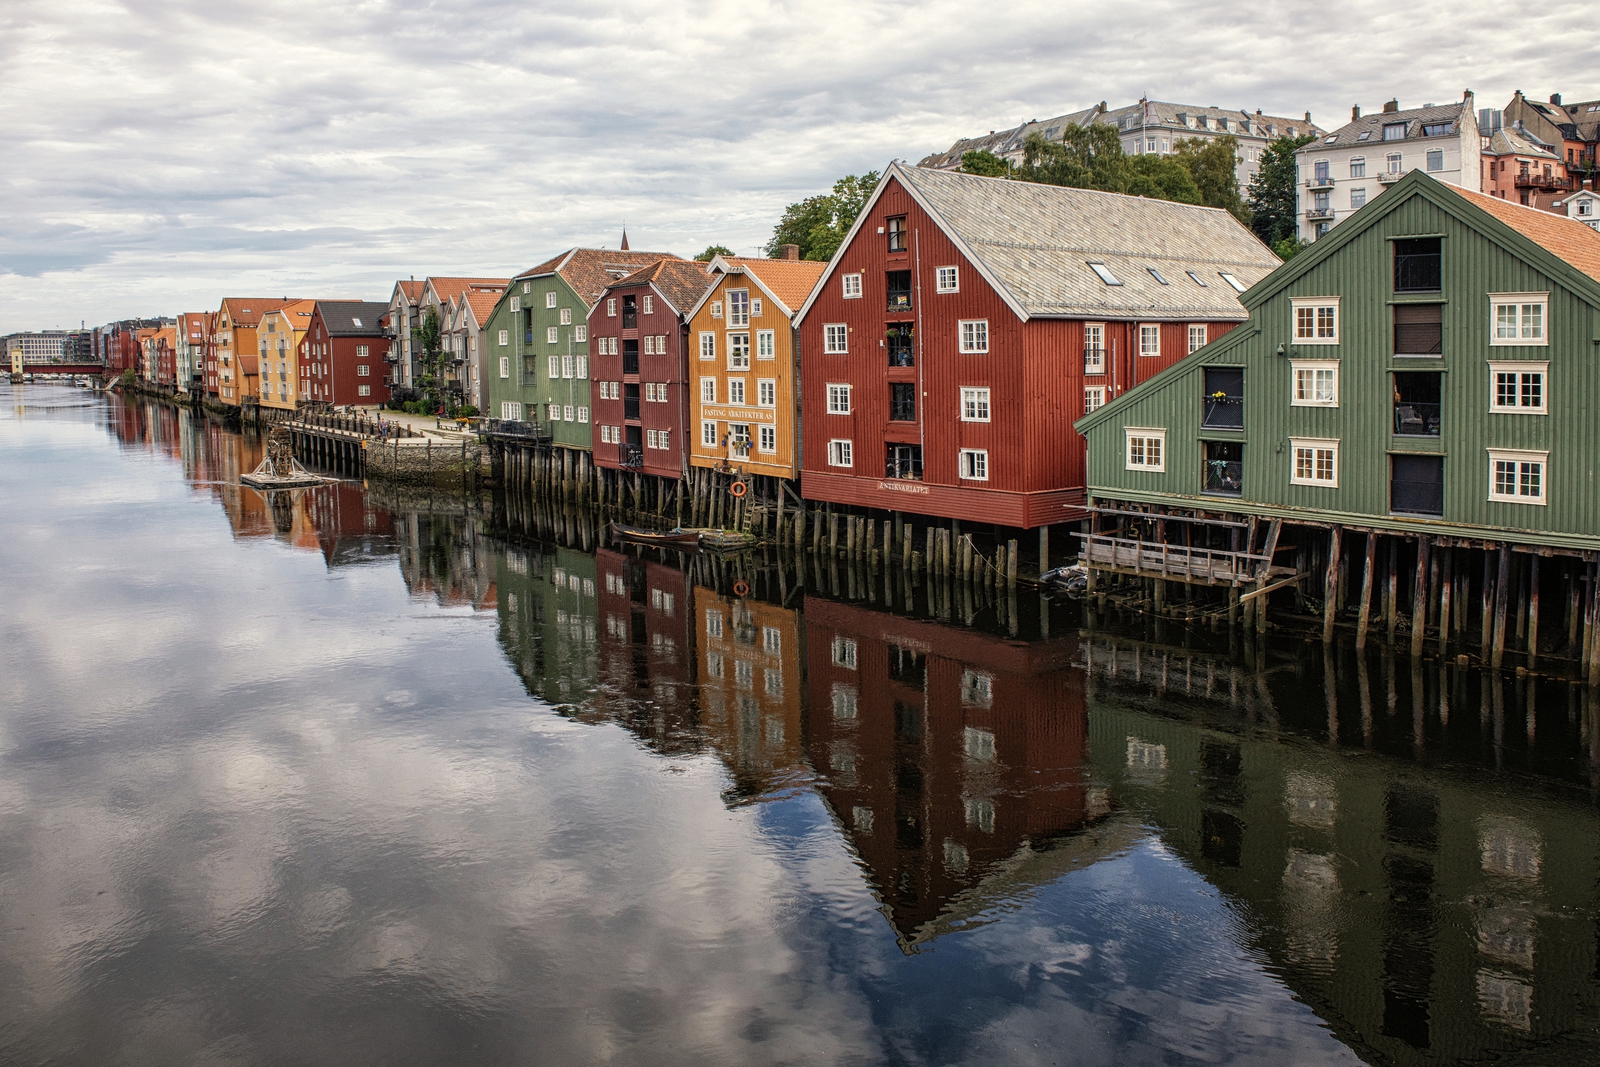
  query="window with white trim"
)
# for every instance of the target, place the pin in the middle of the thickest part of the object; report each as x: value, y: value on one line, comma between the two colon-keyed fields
x: 1518, y: 387
x: 974, y: 404
x: 708, y: 390
x: 363, y: 370
x: 504, y: 337
x: 974, y: 335
x: 947, y: 280
x: 569, y: 413
x: 708, y: 434
x: 566, y: 316
x: 1314, y: 461
x: 1147, y: 448
x: 838, y: 399
x: 738, y: 307
x: 1198, y: 333
x: 1518, y: 318
x: 1517, y: 477
x: 552, y: 334
x: 1094, y: 348
x: 844, y: 653
x: 766, y: 344
x: 738, y: 351
x: 611, y: 305
x: 505, y: 366
x: 767, y: 392
x: 580, y: 332
x: 973, y: 464
x: 566, y: 366
x: 736, y: 390
x: 850, y: 285
x: 716, y: 309
x: 649, y: 348
x: 1316, y: 383
x: 835, y: 339
x: 362, y: 390
x: 1316, y: 320
x: 526, y: 288
x: 839, y: 454
x: 555, y: 366
x: 511, y: 410
x: 708, y: 345
x: 648, y: 305
x: 550, y: 302
x: 755, y: 307
x: 1094, y: 396
x: 769, y: 438
x: 554, y: 411
x: 582, y: 366
x: 1149, y: 340
x: 649, y: 392
x: 583, y: 414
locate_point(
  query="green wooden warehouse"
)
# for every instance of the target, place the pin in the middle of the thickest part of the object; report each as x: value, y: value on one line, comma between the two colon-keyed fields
x: 1408, y: 425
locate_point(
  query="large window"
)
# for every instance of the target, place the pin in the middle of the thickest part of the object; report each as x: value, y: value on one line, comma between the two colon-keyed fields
x: 1315, y: 462
x: 898, y: 284
x: 1417, y: 265
x: 1094, y: 348
x: 838, y: 399
x: 1224, y: 468
x: 902, y: 350
x: 1147, y: 448
x: 738, y: 307
x: 973, y: 464
x: 1518, y: 318
x: 974, y: 405
x: 903, y: 401
x: 835, y: 339
x: 1416, y: 484
x: 1223, y: 408
x: 1316, y: 320
x: 1518, y: 388
x: 975, y: 335
x: 1197, y: 337
x: 839, y: 453
x: 1517, y: 477
x: 902, y: 461
x: 738, y: 351
x: 1418, y: 403
x: 1150, y: 340
x: 1316, y: 383
x: 766, y: 344
x: 1419, y: 329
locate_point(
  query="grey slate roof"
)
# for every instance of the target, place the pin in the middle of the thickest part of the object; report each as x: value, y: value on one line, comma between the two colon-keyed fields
x: 1349, y: 135
x: 1035, y: 242
x: 341, y: 317
x: 1518, y: 143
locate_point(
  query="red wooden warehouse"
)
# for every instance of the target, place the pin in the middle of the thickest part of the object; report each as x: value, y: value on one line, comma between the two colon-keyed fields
x: 966, y: 322
x: 639, y: 368
x: 342, y: 354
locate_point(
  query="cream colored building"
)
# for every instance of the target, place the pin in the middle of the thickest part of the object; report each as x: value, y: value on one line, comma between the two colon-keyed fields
x: 278, y: 344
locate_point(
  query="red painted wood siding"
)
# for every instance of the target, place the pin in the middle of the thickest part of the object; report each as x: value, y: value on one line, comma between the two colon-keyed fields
x: 670, y: 369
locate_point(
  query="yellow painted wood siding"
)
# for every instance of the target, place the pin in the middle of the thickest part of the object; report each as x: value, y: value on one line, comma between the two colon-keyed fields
x: 781, y: 369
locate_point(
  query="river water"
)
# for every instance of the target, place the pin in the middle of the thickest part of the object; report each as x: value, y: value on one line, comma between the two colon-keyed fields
x: 352, y: 779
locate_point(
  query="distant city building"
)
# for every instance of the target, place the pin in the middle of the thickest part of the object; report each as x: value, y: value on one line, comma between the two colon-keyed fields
x: 1149, y: 127
x: 1518, y: 166
x: 1572, y: 131
x: 46, y: 346
x: 1339, y: 172
x: 1583, y: 205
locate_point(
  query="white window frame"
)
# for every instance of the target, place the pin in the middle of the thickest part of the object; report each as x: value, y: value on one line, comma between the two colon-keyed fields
x: 708, y: 390
x: 972, y: 464
x: 708, y: 433
x: 766, y: 392
x: 766, y: 344
x: 1313, y: 304
x: 554, y: 411
x: 973, y: 336
x: 1521, y: 302
x: 975, y: 404
x: 947, y: 279
x: 1203, y: 332
x: 583, y: 414
x: 566, y: 316
x: 835, y: 339
x: 739, y: 350
x: 716, y: 309
x: 569, y: 413
x: 580, y: 332
x: 1313, y: 446
x: 1094, y: 329
x: 708, y: 345
x: 1520, y: 457
x: 1146, y: 331
x: 647, y: 306
x: 768, y: 436
x: 840, y: 453
x: 361, y: 390
x: 505, y: 366
x: 511, y: 410
x: 552, y: 335
x: 1434, y: 153
x: 738, y: 316
x: 850, y: 286
x: 1519, y: 368
x: 1311, y: 367
x: 1094, y: 398
x: 504, y: 337
x: 837, y: 392
x: 1145, y: 434
x: 550, y: 302
x: 555, y: 368
x: 1358, y: 164
x: 736, y: 391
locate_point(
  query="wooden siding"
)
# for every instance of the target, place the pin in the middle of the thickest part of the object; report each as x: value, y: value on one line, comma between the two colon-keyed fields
x: 667, y: 370
x: 530, y: 383
x: 1476, y: 261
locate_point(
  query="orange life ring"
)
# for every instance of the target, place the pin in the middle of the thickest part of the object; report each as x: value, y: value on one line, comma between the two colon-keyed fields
x: 741, y: 588
x: 738, y: 489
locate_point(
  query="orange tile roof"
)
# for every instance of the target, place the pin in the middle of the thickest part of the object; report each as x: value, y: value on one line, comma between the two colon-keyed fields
x: 789, y: 280
x: 1567, y: 238
x: 412, y: 289
x: 681, y: 281
x: 247, y: 310
x: 450, y: 288
x: 589, y: 270
x: 482, y: 304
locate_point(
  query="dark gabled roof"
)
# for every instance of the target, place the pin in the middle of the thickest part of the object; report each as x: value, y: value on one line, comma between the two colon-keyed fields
x: 679, y: 281
x: 587, y: 271
x: 1349, y: 135
x: 341, y: 317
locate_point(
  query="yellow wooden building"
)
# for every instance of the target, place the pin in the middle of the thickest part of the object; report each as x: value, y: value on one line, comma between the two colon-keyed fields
x: 235, y: 339
x: 744, y: 366
x: 278, y: 353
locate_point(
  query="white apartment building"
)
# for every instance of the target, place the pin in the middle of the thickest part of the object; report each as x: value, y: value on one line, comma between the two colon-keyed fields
x: 1339, y: 172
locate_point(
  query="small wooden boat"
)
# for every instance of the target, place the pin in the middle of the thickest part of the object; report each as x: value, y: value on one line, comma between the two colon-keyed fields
x: 679, y: 538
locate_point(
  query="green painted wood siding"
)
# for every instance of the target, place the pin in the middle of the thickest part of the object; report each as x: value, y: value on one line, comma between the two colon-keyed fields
x: 529, y: 382
x: 1479, y: 257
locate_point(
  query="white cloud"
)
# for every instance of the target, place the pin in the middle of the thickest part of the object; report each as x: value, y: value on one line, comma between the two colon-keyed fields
x: 162, y: 153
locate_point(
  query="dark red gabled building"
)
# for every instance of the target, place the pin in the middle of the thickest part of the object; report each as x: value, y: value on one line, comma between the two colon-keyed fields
x: 638, y: 368
x: 341, y: 356
x: 966, y: 322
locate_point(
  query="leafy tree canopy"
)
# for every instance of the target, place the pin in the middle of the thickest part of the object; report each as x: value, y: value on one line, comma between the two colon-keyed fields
x: 982, y: 162
x: 1289, y: 247
x: 1086, y: 157
x: 1272, y: 192
x: 818, y: 223
x: 712, y: 252
x: 1161, y: 178
x: 1213, y: 163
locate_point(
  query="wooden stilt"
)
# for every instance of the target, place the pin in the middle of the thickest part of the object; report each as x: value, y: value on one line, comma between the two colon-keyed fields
x: 1391, y: 588
x: 1501, y: 595
x: 1446, y: 584
x: 1486, y: 604
x: 1330, y: 584
x: 1366, y: 591
x: 1419, y: 599
x: 1533, y: 611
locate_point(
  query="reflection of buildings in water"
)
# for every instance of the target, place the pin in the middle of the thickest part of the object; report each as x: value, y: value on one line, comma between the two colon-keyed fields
x: 953, y: 760
x: 547, y: 603
x: 342, y: 523
x: 647, y: 654
x: 1429, y: 916
x: 750, y: 689
x: 445, y: 558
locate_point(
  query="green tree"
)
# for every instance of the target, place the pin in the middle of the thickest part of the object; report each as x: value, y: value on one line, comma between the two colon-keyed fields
x: 1214, y: 165
x: 1272, y: 192
x: 1161, y: 178
x: 818, y: 223
x: 984, y: 163
x: 1086, y: 157
x: 712, y: 252
x: 427, y: 336
x: 1289, y: 247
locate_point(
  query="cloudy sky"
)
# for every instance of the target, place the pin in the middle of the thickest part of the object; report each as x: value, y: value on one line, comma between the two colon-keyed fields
x: 159, y: 154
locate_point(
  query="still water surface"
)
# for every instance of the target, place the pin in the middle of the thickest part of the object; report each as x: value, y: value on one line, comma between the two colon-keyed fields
x: 360, y: 780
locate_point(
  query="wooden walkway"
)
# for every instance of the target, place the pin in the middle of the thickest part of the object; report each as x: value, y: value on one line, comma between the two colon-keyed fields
x: 1155, y: 559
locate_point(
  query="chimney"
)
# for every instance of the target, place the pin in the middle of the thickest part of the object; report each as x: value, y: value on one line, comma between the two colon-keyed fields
x: 1555, y: 98
x: 788, y: 251
x: 1355, y: 112
x: 1102, y: 107
x: 1391, y: 107
x: 1308, y: 118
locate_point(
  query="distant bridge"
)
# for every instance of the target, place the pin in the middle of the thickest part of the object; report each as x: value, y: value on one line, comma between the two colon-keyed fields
x: 71, y: 370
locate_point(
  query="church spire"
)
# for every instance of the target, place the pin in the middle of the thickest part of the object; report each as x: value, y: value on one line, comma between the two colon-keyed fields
x: 624, y: 237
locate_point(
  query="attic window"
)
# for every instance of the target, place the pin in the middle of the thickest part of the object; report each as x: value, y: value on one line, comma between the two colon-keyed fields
x: 244, y: 311
x: 1196, y: 279
x: 355, y: 322
x: 1238, y: 286
x: 1364, y: 135
x: 1332, y: 137
x: 1104, y: 273
x: 1394, y: 131
x: 1157, y: 275
x: 1437, y: 129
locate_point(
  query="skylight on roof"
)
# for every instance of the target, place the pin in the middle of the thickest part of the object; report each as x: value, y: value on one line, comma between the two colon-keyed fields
x: 1231, y: 280
x: 1332, y: 137
x: 1157, y: 275
x: 1364, y: 135
x: 1196, y: 279
x: 355, y: 322
x: 1104, y: 272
